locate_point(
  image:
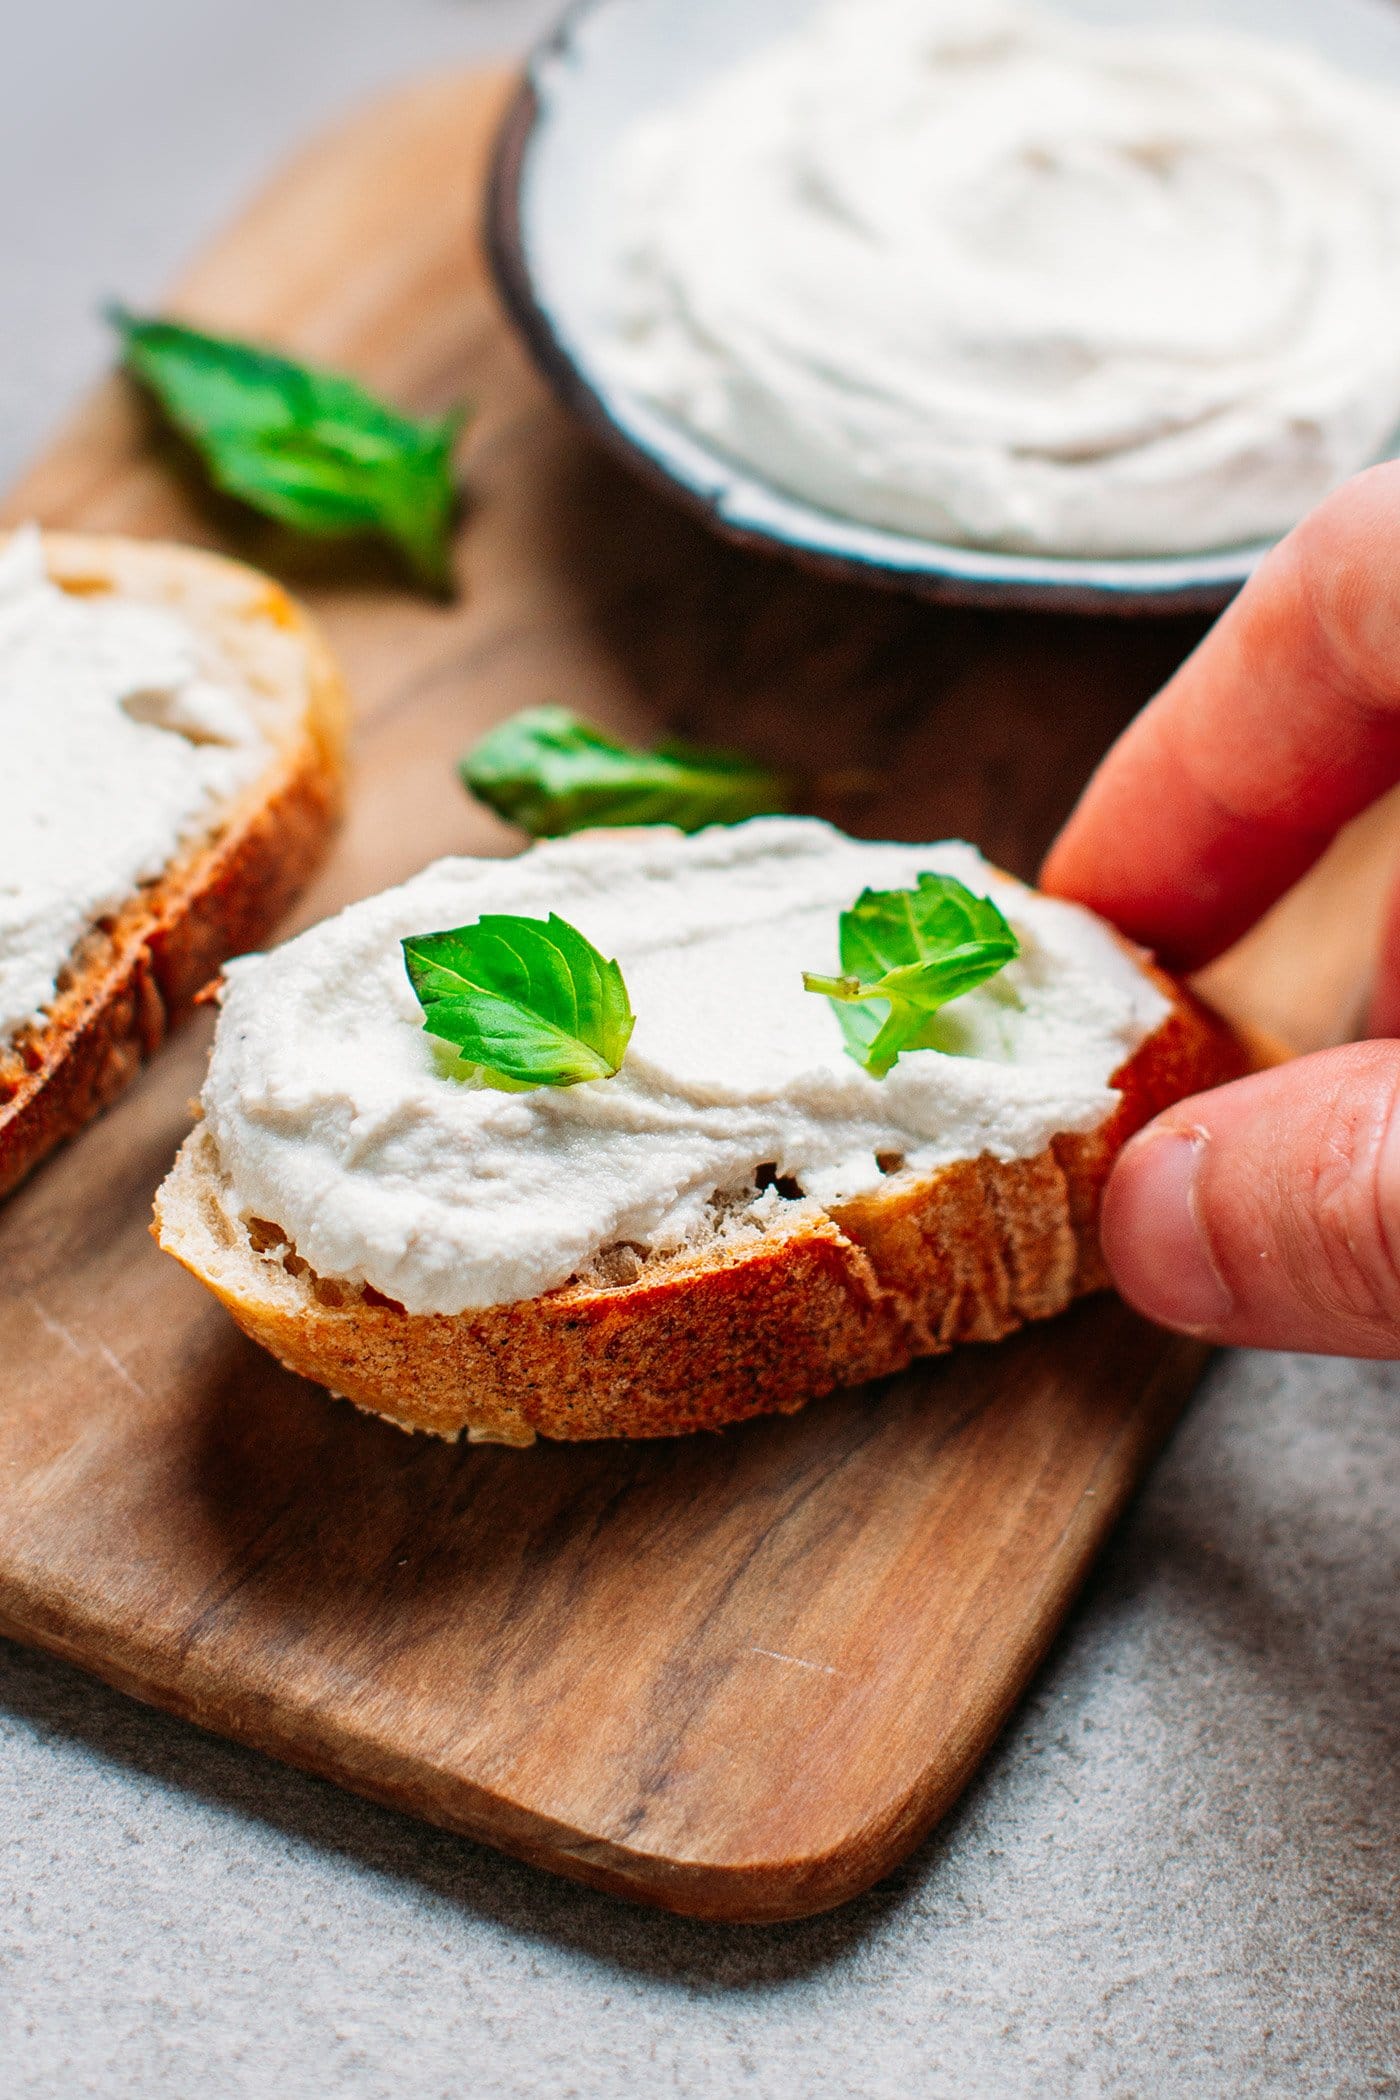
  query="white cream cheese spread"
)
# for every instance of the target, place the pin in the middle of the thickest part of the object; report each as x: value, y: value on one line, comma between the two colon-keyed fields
x: 119, y: 747
x: 339, y: 1120
x: 983, y: 272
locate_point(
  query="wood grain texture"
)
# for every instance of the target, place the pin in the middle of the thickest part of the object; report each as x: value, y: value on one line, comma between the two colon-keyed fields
x: 736, y: 1675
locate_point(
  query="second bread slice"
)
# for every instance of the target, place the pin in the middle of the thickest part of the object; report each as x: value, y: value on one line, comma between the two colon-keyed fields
x: 134, y: 974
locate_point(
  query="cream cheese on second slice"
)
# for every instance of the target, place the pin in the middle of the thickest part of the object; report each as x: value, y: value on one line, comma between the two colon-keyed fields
x: 119, y: 748
x: 337, y: 1117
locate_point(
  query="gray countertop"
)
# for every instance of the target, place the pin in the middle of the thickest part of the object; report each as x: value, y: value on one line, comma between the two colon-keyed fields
x: 1177, y: 1875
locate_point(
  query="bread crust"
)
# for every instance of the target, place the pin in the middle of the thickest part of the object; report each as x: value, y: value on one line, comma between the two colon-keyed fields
x: 739, y: 1328
x: 135, y: 978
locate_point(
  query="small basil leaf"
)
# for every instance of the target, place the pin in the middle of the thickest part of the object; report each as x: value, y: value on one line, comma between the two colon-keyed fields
x: 530, y: 1002
x: 551, y: 773
x: 309, y: 448
x: 905, y: 954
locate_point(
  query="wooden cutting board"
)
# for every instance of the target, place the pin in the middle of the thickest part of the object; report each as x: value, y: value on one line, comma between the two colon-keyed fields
x: 737, y: 1676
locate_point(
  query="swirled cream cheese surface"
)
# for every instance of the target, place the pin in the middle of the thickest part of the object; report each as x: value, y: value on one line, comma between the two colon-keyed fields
x: 983, y: 272
x: 119, y: 746
x: 339, y: 1120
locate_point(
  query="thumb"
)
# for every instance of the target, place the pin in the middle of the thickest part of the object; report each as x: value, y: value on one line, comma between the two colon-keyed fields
x: 1268, y: 1211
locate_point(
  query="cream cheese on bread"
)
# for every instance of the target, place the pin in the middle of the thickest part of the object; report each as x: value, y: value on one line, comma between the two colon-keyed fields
x: 122, y: 746
x: 339, y: 1120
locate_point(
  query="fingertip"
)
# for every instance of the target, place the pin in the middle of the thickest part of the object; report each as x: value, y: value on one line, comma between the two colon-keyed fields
x: 1267, y: 1213
x: 1155, y: 1238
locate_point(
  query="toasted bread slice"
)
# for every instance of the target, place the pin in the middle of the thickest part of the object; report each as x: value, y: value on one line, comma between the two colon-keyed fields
x: 749, y: 1322
x: 138, y: 973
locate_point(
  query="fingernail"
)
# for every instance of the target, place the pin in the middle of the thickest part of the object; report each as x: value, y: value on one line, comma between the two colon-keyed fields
x: 1155, y: 1237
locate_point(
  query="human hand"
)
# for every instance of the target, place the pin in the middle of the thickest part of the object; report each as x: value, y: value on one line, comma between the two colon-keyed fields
x: 1268, y: 1211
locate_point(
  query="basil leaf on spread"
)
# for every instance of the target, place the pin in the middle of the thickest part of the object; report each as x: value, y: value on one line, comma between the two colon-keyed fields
x: 529, y: 1002
x: 905, y: 954
x: 551, y: 773
x: 309, y: 448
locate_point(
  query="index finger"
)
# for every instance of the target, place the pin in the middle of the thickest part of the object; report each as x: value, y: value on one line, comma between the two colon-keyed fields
x: 1283, y: 724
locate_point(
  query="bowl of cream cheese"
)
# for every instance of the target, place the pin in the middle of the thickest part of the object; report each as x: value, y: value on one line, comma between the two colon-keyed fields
x: 1078, y: 306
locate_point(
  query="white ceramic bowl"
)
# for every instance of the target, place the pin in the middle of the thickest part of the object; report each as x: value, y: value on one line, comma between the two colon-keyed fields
x: 609, y: 63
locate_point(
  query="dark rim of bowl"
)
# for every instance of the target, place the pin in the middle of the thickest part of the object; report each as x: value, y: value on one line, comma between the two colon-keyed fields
x: 506, y: 253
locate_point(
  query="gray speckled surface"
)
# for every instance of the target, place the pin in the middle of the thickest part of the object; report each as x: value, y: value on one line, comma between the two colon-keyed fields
x: 1178, y: 1875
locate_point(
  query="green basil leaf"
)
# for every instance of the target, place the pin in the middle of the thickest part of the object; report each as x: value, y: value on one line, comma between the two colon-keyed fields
x: 905, y: 954
x: 551, y: 773
x: 309, y: 448
x: 529, y: 1002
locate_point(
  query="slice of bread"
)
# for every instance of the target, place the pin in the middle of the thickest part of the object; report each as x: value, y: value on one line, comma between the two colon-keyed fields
x: 754, y: 1317
x: 136, y: 974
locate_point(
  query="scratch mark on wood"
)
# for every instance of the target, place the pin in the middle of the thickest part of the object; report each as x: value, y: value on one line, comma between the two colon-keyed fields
x: 85, y: 1348
x: 57, y: 1329
x: 776, y: 1655
x: 114, y: 1363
